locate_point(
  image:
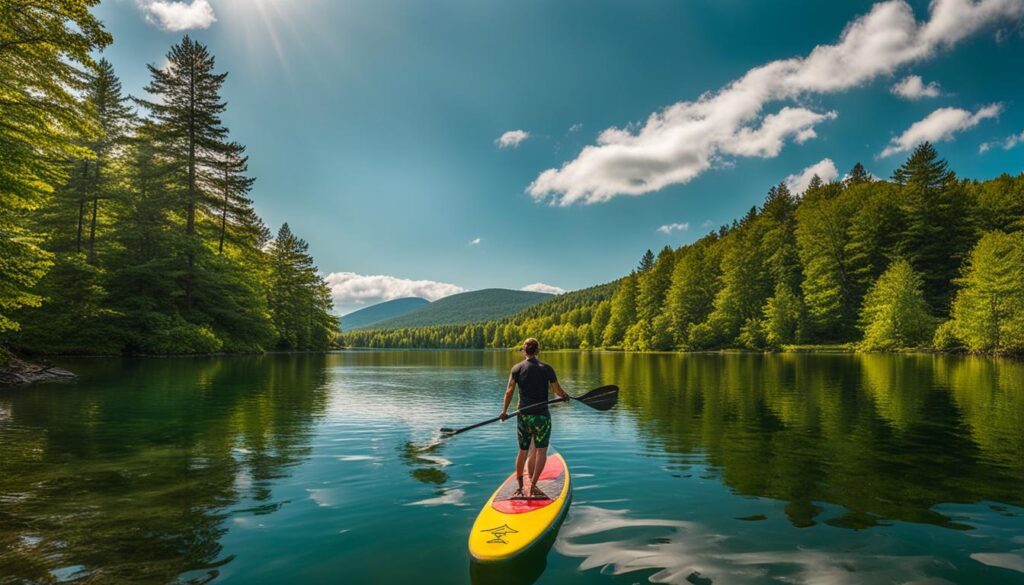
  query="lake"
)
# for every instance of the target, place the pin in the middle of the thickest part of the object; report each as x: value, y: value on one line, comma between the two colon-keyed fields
x: 713, y: 468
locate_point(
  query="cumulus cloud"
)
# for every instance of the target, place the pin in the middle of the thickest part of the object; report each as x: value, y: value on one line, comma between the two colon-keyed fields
x: 544, y: 288
x: 668, y: 228
x: 686, y: 139
x: 475, y: 241
x: 825, y: 169
x: 512, y: 138
x: 1007, y: 144
x: 177, y: 15
x: 940, y: 125
x: 576, y: 127
x: 349, y: 288
x: 913, y: 88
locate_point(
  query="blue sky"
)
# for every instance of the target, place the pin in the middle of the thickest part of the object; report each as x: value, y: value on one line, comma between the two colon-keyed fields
x: 374, y: 126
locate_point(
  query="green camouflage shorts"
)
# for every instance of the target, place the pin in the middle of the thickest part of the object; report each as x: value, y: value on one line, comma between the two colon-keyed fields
x: 536, y: 427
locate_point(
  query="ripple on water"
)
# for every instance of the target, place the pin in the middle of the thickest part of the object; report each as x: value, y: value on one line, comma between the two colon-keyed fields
x: 682, y: 552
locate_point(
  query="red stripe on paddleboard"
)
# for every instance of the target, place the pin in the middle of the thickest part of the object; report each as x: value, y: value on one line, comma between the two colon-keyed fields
x: 552, y: 471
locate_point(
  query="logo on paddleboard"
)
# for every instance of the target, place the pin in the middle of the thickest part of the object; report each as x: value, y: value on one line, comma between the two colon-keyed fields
x: 499, y: 533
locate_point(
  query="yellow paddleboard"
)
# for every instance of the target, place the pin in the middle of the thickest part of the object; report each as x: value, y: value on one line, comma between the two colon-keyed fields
x: 508, y: 526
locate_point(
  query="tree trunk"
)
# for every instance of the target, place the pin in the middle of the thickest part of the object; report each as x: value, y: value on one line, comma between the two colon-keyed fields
x: 224, y: 213
x: 190, y: 223
x: 81, y: 207
x: 92, y: 227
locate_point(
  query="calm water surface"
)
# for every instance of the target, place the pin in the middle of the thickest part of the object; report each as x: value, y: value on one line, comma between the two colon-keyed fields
x: 728, y: 468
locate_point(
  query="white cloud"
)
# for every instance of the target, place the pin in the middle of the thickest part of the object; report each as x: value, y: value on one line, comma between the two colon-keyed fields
x: 512, y: 138
x: 686, y: 139
x: 913, y: 88
x: 544, y: 288
x: 1007, y: 144
x: 940, y: 125
x: 349, y: 289
x: 825, y: 169
x: 178, y: 15
x: 475, y: 242
x: 668, y: 228
x: 707, y: 223
x: 575, y: 127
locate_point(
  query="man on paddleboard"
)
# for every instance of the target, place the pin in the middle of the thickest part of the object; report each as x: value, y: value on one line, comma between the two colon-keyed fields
x: 534, y: 421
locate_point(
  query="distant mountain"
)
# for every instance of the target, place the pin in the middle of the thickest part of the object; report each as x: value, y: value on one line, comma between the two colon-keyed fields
x: 470, y: 307
x: 364, y: 318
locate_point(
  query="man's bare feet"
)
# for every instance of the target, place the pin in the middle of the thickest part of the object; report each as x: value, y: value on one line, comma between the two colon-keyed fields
x: 536, y: 493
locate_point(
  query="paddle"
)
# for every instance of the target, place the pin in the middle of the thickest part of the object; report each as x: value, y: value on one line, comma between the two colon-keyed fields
x: 602, y: 398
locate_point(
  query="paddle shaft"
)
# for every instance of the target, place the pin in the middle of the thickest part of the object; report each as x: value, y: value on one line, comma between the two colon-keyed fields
x: 497, y: 418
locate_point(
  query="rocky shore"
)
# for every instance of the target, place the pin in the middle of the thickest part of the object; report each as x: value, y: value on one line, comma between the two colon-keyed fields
x: 16, y: 372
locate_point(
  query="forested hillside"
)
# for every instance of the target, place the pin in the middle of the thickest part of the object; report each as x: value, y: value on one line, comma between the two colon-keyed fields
x: 923, y: 259
x: 126, y: 223
x: 469, y: 307
x: 381, y: 311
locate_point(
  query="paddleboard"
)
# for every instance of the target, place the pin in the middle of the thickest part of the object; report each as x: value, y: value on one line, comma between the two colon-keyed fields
x: 508, y: 526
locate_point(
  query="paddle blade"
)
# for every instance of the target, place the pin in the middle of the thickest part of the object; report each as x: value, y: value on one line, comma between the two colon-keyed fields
x: 603, y: 398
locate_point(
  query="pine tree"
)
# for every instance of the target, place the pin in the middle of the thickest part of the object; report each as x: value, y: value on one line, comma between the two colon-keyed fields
x: 113, y: 117
x: 937, y: 234
x: 858, y: 175
x: 653, y: 286
x: 646, y: 262
x: 300, y: 300
x: 45, y: 50
x: 235, y: 208
x: 189, y: 133
x: 895, y: 313
x: 988, y: 312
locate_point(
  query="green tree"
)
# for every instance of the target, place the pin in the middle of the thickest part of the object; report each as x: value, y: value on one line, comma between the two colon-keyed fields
x: 646, y: 262
x: 695, y: 282
x: 783, y: 317
x: 623, y: 311
x: 938, y: 232
x: 858, y: 175
x: 896, y: 314
x: 189, y: 134
x: 46, y: 48
x: 988, y: 312
x: 652, y: 286
x: 300, y: 300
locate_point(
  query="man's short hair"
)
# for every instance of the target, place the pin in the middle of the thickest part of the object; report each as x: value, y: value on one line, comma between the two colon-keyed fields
x: 531, y: 346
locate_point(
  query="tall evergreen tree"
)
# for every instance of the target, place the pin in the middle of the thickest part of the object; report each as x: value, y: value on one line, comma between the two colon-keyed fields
x: 113, y: 117
x: 189, y: 133
x: 653, y: 286
x: 300, y: 301
x: 646, y: 261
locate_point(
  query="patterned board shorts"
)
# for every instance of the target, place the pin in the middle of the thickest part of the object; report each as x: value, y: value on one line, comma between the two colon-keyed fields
x: 536, y: 427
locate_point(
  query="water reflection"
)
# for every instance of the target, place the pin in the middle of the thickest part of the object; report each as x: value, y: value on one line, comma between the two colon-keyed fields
x: 886, y: 437
x: 134, y: 487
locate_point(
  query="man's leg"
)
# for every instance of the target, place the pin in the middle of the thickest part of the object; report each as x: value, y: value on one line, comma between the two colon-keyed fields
x: 539, y: 458
x: 520, y: 462
x: 541, y: 428
x: 525, y: 439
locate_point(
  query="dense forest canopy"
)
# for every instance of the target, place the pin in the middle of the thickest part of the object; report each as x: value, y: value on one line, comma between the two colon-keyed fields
x: 125, y: 223
x: 924, y: 259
